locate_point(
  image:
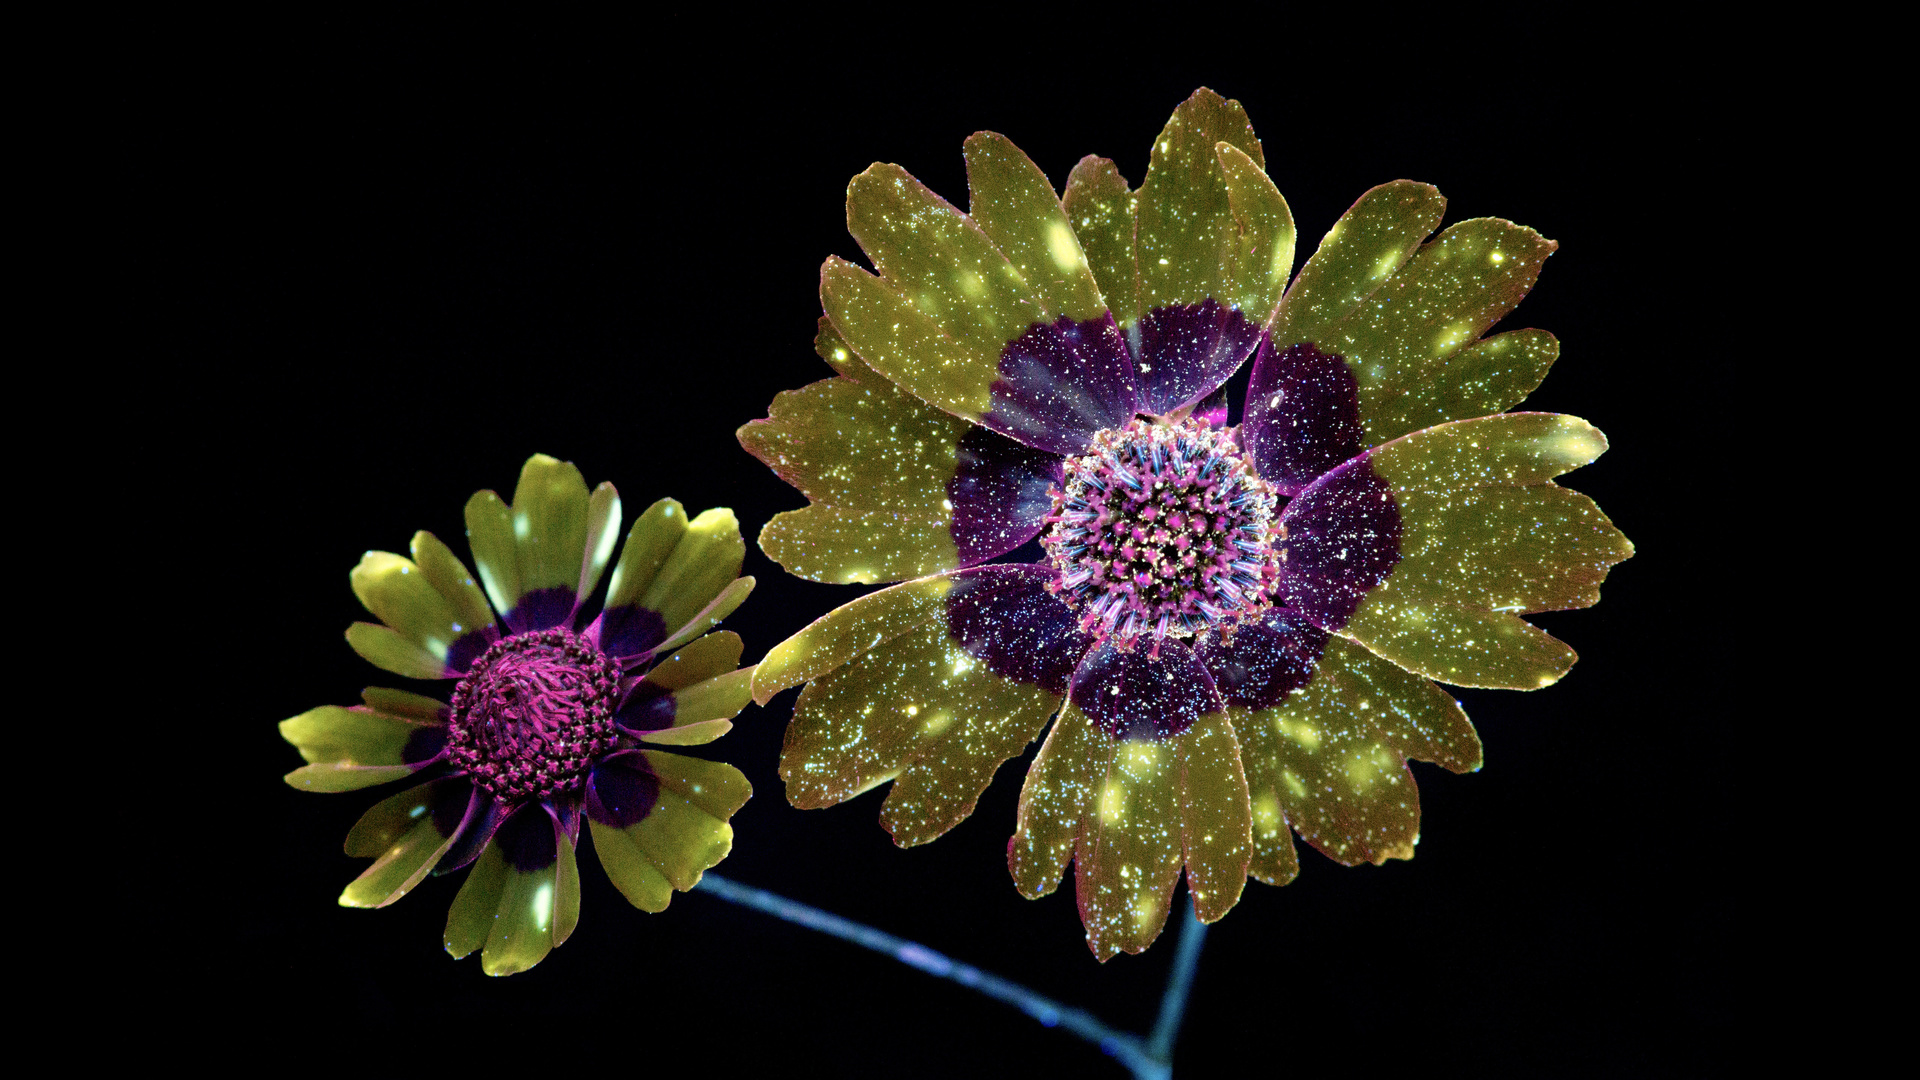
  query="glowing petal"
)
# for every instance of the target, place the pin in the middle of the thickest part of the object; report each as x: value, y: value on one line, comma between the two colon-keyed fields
x: 1405, y: 318
x: 1331, y: 760
x: 1017, y: 209
x: 899, y: 488
x: 1486, y: 537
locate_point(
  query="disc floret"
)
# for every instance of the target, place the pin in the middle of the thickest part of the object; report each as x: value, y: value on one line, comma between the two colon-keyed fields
x: 533, y: 714
x: 1161, y: 529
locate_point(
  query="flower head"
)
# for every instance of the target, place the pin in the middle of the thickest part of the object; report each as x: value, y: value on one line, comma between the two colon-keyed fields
x: 548, y: 721
x: 1236, y: 626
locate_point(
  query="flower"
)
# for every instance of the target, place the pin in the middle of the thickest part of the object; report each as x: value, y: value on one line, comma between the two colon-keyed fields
x: 546, y: 721
x: 1237, y: 626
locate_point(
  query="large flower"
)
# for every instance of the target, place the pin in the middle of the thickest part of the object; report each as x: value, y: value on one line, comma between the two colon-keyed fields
x: 1237, y: 626
x: 546, y: 721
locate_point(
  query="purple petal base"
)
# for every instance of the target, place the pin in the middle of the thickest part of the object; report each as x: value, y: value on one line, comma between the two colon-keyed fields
x: 529, y: 840
x: 468, y: 647
x: 1005, y: 616
x: 999, y: 494
x: 1134, y: 696
x: 1302, y: 417
x: 1186, y: 351
x: 630, y: 630
x: 483, y: 816
x: 648, y: 708
x: 621, y: 790
x: 543, y: 609
x: 424, y: 745
x: 1062, y: 381
x: 1262, y: 662
x: 452, y: 796
x: 1342, y: 538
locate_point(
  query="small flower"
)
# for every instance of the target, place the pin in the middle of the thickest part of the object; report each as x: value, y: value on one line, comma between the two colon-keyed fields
x: 546, y: 720
x: 1237, y: 627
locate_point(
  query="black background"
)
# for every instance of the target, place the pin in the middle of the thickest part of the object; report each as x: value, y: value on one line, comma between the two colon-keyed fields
x: 423, y: 262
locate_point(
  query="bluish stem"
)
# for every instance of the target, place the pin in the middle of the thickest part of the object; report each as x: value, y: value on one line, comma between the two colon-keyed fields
x: 1147, y: 1061
x: 1173, y: 1003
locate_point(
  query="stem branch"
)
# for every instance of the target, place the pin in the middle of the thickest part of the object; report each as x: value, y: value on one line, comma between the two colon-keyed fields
x: 1147, y: 1060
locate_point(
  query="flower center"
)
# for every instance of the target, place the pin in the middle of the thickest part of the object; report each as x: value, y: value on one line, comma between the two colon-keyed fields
x: 533, y: 713
x: 1162, y: 530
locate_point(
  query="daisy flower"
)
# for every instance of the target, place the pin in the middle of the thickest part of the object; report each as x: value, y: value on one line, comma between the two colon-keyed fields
x: 548, y: 722
x: 1235, y: 630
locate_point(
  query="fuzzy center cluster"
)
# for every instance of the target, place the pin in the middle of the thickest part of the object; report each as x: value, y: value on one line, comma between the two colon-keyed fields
x: 1162, y: 530
x: 533, y: 713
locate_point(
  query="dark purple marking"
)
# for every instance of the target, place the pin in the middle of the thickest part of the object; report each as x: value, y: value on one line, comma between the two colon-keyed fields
x: 451, y: 797
x: 648, y: 708
x: 1340, y: 538
x: 1302, y: 417
x: 468, y: 647
x: 482, y: 820
x: 1135, y: 696
x: 999, y: 494
x: 630, y: 630
x: 424, y: 745
x: 542, y: 609
x: 1005, y: 616
x: 1184, y: 352
x: 621, y: 790
x: 528, y: 839
x: 1262, y: 662
x: 1062, y: 381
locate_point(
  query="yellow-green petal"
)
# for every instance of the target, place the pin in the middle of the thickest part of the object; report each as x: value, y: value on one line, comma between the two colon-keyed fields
x: 704, y: 620
x: 1264, y: 253
x: 406, y: 840
x: 712, y: 655
x: 1330, y: 760
x: 1014, y: 205
x: 1407, y: 317
x: 695, y: 733
x: 874, y: 461
x: 1370, y: 242
x: 400, y: 595
x: 566, y: 885
x: 721, y: 697
x: 550, y: 505
x: 1217, y: 824
x: 348, y: 748
x: 651, y: 540
x: 685, y: 832
x: 704, y: 561
x: 1051, y: 798
x: 390, y: 650
x: 1486, y: 536
x: 644, y: 886
x: 495, y: 552
x: 534, y: 555
x: 525, y: 922
x: 1100, y: 207
x: 1128, y: 856
x: 921, y: 708
x: 1189, y: 247
x: 472, y: 915
x: 847, y: 631
x: 454, y: 582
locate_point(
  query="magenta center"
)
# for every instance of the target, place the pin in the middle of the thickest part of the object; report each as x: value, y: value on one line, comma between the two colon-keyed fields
x: 533, y: 713
x: 1162, y: 530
